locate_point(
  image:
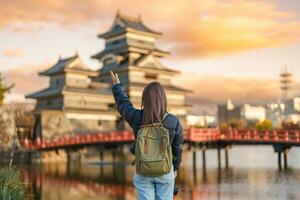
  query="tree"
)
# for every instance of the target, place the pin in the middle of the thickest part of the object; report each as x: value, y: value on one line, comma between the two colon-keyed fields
x: 3, y: 89
x: 16, y: 124
x: 289, y: 125
x: 265, y: 125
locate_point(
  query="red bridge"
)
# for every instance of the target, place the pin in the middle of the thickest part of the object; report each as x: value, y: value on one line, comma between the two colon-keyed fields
x: 191, y: 135
x: 196, y: 139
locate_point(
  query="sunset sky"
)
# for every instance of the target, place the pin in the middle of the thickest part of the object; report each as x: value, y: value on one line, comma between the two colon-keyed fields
x: 224, y: 48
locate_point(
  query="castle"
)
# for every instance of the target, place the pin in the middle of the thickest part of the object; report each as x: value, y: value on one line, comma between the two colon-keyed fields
x: 79, y: 100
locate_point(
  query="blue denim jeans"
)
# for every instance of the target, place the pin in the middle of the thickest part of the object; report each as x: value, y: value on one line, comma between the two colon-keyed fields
x: 158, y: 188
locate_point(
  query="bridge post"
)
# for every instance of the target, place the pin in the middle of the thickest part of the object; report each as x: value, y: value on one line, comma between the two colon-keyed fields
x: 226, y: 157
x: 194, y: 160
x: 29, y: 158
x: 101, y: 157
x: 285, y: 159
x: 101, y: 154
x: 122, y: 148
x: 282, y: 149
x: 279, y: 160
x: 204, y: 160
x: 219, y: 158
x: 204, y: 163
x: 195, y: 165
x: 68, y: 160
x: 80, y: 156
x: 73, y: 156
x: 113, y: 154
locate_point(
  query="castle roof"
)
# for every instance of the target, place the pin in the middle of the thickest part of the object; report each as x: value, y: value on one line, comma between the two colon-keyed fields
x: 130, y: 48
x: 124, y: 23
x: 69, y: 64
x: 48, y: 92
x: 167, y: 87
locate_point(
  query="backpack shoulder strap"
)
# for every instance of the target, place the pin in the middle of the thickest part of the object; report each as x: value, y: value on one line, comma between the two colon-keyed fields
x: 155, y: 124
x: 165, y: 116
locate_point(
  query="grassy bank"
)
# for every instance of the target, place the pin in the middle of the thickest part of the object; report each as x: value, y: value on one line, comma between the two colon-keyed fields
x: 11, y: 186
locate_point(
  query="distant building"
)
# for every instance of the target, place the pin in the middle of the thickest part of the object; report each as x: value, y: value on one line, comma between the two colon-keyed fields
x: 287, y: 109
x: 286, y: 83
x: 292, y: 110
x: 79, y: 100
x: 274, y: 112
x: 292, y: 105
x: 229, y: 112
x: 201, y: 120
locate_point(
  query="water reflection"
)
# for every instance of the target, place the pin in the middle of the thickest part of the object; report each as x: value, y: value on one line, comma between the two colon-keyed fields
x: 58, y: 181
x: 108, y: 181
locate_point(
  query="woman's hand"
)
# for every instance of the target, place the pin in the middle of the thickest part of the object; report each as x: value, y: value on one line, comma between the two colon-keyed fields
x: 114, y: 77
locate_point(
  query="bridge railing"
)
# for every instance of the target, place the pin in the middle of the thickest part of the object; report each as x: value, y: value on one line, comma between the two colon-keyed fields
x: 80, y: 139
x: 264, y: 136
x: 201, y: 134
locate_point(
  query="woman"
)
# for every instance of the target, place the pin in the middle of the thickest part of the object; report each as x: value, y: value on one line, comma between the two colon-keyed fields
x: 153, y: 110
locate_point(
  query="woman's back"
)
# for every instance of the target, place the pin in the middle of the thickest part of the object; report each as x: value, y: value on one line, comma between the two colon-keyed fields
x: 134, y: 118
x: 152, y: 112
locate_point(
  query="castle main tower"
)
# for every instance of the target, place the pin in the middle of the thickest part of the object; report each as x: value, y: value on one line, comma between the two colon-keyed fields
x: 130, y: 50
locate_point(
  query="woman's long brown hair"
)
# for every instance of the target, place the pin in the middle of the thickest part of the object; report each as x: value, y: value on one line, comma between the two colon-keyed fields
x: 154, y: 103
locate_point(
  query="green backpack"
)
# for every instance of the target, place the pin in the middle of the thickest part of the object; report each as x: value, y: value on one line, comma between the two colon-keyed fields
x: 153, y: 151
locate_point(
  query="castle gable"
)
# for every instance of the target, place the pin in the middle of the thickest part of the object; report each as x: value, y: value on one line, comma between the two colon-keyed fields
x: 149, y: 61
x: 71, y: 63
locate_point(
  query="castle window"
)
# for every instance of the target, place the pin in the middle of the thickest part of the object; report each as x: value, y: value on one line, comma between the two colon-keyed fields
x: 116, y: 42
x: 151, y: 76
x: 142, y: 42
x: 83, y: 102
x: 57, y: 82
x: 99, y: 122
x: 108, y: 60
x: 112, y: 105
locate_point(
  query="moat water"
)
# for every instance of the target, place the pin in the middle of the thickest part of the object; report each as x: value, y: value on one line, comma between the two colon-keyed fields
x: 252, y: 174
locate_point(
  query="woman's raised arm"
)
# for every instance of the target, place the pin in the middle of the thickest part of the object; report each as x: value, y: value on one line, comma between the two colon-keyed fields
x: 125, y: 107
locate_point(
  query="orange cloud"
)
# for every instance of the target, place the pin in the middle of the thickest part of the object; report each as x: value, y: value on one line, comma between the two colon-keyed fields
x: 12, y: 53
x: 193, y: 28
x: 217, y: 89
x: 25, y: 78
x: 225, y: 28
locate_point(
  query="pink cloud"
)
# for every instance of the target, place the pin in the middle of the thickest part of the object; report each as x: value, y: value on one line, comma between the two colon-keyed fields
x: 13, y: 53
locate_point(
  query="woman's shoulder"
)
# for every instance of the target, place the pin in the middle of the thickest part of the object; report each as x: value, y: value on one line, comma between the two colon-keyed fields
x: 171, y: 115
x: 171, y: 120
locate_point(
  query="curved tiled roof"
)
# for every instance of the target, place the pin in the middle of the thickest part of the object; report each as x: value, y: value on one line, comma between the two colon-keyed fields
x: 63, y: 64
x: 167, y: 87
x: 130, y: 23
x: 126, y: 48
x: 59, y: 91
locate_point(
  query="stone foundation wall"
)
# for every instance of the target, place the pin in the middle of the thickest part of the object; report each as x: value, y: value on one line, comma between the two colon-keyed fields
x: 55, y: 124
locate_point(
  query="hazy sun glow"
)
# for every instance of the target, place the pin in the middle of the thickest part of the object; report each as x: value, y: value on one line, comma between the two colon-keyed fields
x: 237, y: 46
